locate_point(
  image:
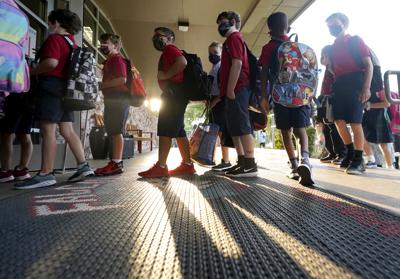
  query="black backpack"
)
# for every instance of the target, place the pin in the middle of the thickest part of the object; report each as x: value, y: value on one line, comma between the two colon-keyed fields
x: 254, y: 71
x: 377, y: 82
x: 196, y: 82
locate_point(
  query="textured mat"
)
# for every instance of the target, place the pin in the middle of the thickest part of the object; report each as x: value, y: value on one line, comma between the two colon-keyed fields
x: 194, y: 227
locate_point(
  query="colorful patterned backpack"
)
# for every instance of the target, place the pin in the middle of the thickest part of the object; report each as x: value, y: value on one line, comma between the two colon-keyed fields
x: 294, y: 74
x: 14, y: 26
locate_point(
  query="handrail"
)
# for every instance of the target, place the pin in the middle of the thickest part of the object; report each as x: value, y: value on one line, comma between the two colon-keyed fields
x: 387, y: 86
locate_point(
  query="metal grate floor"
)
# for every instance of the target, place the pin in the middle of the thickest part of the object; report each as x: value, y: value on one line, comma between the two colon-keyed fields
x: 194, y: 227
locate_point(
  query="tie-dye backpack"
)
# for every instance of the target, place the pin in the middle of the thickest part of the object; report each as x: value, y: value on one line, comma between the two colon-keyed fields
x: 14, y: 26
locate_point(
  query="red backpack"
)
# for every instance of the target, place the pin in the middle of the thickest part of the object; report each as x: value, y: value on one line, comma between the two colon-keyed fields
x: 135, y: 85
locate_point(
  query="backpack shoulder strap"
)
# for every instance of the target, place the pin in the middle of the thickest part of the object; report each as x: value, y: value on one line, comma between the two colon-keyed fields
x: 353, y: 46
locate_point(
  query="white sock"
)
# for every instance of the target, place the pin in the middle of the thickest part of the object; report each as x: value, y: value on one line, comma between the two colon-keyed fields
x: 371, y: 158
x: 117, y: 161
x: 81, y: 165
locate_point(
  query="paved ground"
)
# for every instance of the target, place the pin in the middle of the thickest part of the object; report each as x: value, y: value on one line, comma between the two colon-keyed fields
x: 203, y: 226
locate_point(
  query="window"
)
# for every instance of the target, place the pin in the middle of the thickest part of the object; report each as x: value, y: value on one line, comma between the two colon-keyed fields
x: 61, y: 4
x: 38, y: 7
x: 95, y: 23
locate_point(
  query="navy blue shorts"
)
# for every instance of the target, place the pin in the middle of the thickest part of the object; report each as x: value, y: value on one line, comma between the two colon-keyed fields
x: 171, y: 116
x: 287, y: 118
x: 17, y: 119
x: 116, y: 112
x: 346, y: 104
x: 49, y: 104
x: 237, y: 113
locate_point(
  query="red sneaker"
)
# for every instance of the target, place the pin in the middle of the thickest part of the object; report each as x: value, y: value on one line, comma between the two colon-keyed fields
x: 110, y: 169
x: 154, y: 172
x: 6, y: 176
x: 21, y: 174
x: 183, y: 169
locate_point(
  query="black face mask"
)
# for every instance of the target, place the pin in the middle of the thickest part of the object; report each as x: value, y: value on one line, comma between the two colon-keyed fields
x: 214, y: 58
x: 104, y: 50
x: 158, y: 43
x: 335, y: 30
x: 223, y: 28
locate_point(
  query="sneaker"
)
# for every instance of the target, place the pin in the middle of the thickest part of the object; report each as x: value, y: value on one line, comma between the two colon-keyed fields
x: 110, y: 169
x: 222, y: 166
x: 233, y: 168
x: 6, y: 176
x: 356, y: 168
x: 327, y: 159
x: 155, y: 172
x: 304, y: 171
x: 338, y: 160
x: 81, y: 173
x: 243, y: 172
x: 38, y: 181
x: 183, y: 169
x: 345, y: 163
x: 293, y: 174
x: 371, y: 165
x: 21, y: 174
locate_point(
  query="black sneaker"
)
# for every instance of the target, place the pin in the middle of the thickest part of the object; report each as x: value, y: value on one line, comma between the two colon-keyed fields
x: 243, y: 172
x: 304, y: 171
x: 338, y: 160
x: 222, y: 166
x: 327, y: 159
x: 356, y: 168
x: 234, y: 167
x: 345, y: 163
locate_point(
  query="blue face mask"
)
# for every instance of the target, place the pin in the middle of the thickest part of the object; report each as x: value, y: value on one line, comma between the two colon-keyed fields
x: 214, y: 58
x: 223, y: 28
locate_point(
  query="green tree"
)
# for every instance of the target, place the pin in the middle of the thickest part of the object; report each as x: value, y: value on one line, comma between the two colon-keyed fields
x: 193, y: 112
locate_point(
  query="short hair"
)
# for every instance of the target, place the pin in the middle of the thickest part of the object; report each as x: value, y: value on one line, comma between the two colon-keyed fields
x: 278, y: 23
x: 166, y: 31
x: 68, y: 20
x: 229, y: 15
x: 215, y: 44
x: 341, y: 17
x: 114, y: 38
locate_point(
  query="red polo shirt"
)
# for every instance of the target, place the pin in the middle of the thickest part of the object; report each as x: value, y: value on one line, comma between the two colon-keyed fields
x: 167, y: 59
x: 233, y: 47
x: 56, y: 47
x: 268, y: 50
x: 342, y: 59
x: 114, y: 67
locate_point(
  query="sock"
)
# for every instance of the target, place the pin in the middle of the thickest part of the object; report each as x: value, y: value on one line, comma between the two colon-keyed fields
x: 304, y: 154
x: 43, y: 174
x: 80, y: 165
x: 350, y: 150
x: 249, y: 163
x: 358, y: 155
x: 189, y: 163
x: 117, y: 160
x: 371, y: 158
x: 241, y: 160
x: 293, y: 163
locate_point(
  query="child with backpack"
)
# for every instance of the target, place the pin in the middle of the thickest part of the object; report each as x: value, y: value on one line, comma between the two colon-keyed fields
x: 174, y: 99
x: 235, y: 81
x: 53, y: 75
x: 116, y: 100
x: 351, y: 90
x: 287, y: 119
x: 394, y: 111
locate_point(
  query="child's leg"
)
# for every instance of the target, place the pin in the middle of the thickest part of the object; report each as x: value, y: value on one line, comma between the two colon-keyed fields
x: 344, y: 133
x: 183, y: 144
x: 368, y: 151
x: 301, y: 134
x: 247, y: 142
x: 118, y: 147
x: 163, y: 150
x: 6, y: 150
x: 387, y: 154
x: 289, y: 147
x: 67, y: 131
x: 225, y: 154
x: 26, y: 150
x: 49, y: 146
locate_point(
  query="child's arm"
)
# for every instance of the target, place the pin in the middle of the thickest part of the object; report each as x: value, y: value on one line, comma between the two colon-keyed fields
x: 114, y: 82
x: 264, y: 98
x: 47, y: 65
x: 177, y: 67
x: 234, y: 74
x: 382, y: 104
